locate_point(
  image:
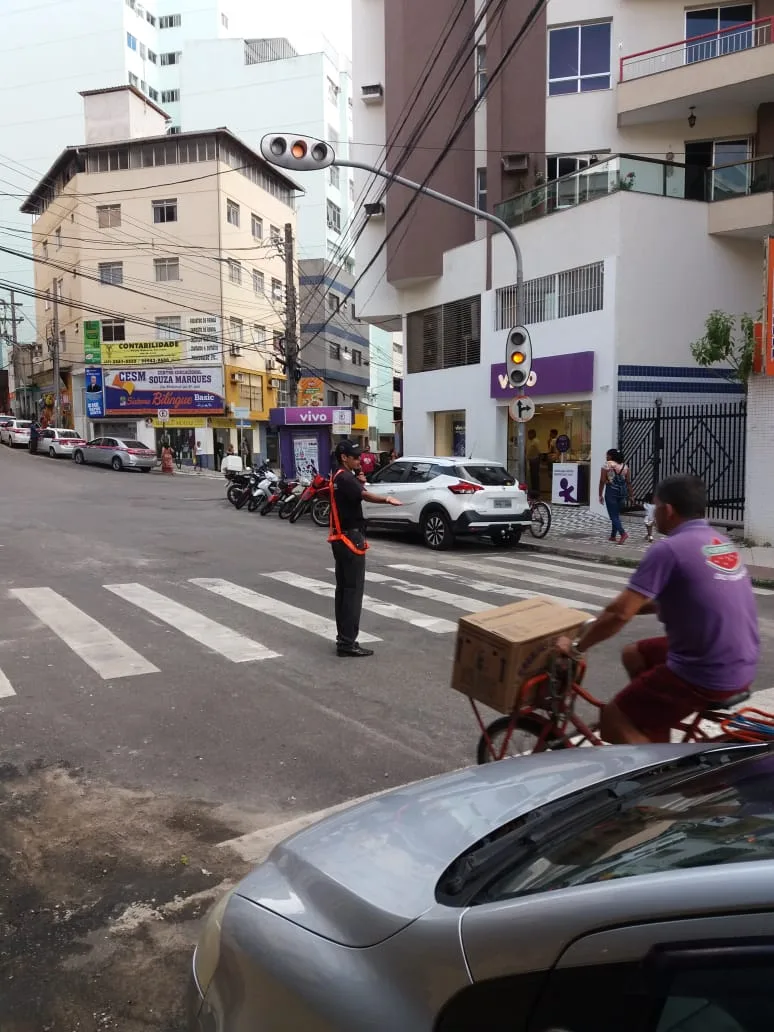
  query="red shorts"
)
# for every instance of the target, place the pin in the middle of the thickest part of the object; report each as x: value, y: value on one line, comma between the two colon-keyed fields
x: 657, y: 699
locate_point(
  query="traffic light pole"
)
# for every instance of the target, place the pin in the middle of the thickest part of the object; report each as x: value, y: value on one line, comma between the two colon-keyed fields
x: 391, y: 177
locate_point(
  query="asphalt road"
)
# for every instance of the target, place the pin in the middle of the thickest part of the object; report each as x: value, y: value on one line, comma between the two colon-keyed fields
x: 168, y: 683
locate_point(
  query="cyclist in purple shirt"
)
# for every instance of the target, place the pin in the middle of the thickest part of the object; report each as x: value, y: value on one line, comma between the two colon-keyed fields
x: 695, y: 581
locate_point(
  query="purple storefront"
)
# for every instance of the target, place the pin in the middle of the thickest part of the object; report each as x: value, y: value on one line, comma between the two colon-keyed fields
x: 307, y: 437
x: 559, y: 434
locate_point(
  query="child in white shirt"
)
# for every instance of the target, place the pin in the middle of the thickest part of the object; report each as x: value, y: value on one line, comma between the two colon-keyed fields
x: 650, y: 517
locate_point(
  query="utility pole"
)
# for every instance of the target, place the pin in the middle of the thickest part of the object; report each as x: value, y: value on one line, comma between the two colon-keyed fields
x: 54, y: 350
x: 16, y: 355
x: 291, y: 318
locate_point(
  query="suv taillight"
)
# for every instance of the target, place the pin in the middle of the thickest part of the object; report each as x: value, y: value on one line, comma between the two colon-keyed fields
x: 465, y: 487
x: 523, y: 487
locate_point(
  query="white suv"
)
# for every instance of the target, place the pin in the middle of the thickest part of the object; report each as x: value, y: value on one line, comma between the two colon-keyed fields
x: 446, y: 497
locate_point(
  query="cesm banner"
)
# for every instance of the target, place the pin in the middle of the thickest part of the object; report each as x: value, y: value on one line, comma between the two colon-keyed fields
x: 192, y: 391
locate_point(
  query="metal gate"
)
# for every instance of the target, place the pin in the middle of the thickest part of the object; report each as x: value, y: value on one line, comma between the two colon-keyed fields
x: 707, y: 441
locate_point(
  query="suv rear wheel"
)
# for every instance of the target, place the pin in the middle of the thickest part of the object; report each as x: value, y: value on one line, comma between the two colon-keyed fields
x: 437, y: 531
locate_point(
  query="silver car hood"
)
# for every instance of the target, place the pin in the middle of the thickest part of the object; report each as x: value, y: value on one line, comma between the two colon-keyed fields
x: 363, y: 874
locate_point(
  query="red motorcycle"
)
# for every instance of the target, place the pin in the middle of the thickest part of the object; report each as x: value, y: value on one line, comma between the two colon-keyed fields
x: 281, y: 494
x: 315, y: 498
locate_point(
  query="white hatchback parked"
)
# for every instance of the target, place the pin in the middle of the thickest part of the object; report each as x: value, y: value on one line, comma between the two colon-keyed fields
x: 446, y: 497
x: 58, y: 443
x: 15, y: 433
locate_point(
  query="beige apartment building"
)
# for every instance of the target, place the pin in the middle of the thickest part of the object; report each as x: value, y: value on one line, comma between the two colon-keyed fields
x: 160, y: 272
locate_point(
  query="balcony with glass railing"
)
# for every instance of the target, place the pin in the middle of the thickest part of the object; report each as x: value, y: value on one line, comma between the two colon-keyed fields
x: 603, y: 178
x: 732, y: 66
x: 743, y: 198
x: 740, y: 195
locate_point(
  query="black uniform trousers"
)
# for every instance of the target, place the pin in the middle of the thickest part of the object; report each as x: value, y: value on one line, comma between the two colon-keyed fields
x: 350, y: 585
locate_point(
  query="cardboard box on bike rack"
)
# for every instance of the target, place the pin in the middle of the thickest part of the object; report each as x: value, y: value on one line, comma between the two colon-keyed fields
x: 499, y: 649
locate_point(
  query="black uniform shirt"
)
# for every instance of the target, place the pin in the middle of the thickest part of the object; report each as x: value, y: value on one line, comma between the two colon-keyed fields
x: 348, y: 495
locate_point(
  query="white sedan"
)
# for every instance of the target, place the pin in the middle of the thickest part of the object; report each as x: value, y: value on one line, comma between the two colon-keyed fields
x: 59, y: 443
x: 16, y: 433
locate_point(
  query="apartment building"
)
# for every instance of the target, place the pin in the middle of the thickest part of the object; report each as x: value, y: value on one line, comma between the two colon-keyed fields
x: 160, y: 276
x: 627, y: 145
x: 63, y: 48
x: 267, y: 86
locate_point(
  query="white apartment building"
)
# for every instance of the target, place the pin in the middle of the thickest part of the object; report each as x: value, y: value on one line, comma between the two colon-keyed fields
x: 265, y: 86
x: 635, y: 171
x: 160, y: 276
x: 56, y: 52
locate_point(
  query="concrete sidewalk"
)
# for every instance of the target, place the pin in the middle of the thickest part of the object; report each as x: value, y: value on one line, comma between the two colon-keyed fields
x: 580, y: 534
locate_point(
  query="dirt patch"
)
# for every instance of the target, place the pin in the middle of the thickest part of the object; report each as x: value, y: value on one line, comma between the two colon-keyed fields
x: 102, y: 891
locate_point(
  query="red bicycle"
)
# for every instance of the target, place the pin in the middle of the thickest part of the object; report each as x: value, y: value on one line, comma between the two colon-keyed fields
x: 548, y: 715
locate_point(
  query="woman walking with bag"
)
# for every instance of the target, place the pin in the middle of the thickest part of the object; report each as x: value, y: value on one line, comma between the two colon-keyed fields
x: 615, y: 491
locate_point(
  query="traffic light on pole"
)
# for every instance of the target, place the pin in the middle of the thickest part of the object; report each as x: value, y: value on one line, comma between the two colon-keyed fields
x: 297, y: 153
x: 518, y: 357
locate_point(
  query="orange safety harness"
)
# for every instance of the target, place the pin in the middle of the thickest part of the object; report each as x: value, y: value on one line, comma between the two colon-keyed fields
x: 336, y: 533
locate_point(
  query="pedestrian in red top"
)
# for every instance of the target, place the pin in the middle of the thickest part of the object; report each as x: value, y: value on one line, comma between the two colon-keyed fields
x: 368, y: 460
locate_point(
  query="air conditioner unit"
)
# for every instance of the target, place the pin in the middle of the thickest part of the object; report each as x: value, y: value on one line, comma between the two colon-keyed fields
x: 375, y: 210
x: 373, y: 94
x: 275, y: 383
x: 515, y: 162
x: 237, y: 377
x: 270, y: 364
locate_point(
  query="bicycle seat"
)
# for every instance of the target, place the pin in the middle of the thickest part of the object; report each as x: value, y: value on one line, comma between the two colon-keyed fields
x: 728, y: 703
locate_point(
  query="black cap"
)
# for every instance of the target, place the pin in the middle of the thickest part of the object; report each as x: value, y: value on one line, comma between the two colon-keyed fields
x: 348, y: 448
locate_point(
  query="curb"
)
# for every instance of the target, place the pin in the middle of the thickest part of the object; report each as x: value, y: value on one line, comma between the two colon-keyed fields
x: 761, y: 576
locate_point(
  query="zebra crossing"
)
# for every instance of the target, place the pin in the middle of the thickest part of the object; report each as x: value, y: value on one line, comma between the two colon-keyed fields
x: 440, y: 590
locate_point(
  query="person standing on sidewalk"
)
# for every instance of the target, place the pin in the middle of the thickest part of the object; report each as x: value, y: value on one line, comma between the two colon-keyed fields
x: 199, y: 457
x: 615, y: 490
x: 348, y: 543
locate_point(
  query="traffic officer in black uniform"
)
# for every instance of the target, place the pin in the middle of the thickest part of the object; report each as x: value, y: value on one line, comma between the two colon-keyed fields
x: 348, y: 541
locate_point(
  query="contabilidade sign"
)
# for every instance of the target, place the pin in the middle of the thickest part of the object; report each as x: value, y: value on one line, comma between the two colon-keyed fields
x: 192, y: 391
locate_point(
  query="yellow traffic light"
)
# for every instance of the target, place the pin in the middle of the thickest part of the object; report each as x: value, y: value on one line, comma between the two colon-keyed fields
x: 518, y: 356
x: 298, y: 150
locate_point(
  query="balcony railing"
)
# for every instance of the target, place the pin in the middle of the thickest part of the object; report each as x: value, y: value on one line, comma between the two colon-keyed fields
x: 621, y: 172
x: 639, y: 175
x: 747, y: 36
x: 740, y: 179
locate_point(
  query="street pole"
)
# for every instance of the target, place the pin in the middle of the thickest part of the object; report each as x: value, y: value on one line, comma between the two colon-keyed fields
x: 55, y: 356
x: 16, y: 355
x: 291, y: 318
x: 391, y: 177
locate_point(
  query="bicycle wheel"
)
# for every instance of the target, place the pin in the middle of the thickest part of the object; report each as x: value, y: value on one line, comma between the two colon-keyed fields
x: 541, y: 520
x: 525, y: 738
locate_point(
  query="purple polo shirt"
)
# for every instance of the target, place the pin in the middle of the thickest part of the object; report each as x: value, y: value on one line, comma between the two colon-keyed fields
x: 706, y: 604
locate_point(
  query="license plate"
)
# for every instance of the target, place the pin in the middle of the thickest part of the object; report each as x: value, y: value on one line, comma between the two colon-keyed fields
x: 502, y: 503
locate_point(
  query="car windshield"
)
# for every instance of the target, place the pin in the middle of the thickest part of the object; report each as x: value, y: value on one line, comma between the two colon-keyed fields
x: 134, y: 444
x: 488, y: 474
x: 724, y: 817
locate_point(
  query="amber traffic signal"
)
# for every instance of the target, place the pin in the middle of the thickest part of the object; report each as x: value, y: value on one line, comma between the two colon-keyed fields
x: 297, y: 153
x: 518, y: 357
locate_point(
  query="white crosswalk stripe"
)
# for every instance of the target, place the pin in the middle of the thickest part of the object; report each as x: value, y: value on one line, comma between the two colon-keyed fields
x: 221, y: 639
x: 434, y: 624
x: 299, y: 618
x: 98, y: 647
x: 463, y: 602
x: 6, y: 688
x: 499, y: 589
x: 606, y: 574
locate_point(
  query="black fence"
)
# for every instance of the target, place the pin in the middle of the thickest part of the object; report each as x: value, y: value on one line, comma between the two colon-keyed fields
x: 708, y: 441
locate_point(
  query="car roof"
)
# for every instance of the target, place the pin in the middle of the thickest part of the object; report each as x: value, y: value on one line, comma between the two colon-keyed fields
x: 451, y: 460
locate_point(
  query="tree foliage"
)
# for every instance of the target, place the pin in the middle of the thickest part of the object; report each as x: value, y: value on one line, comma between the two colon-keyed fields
x: 729, y: 340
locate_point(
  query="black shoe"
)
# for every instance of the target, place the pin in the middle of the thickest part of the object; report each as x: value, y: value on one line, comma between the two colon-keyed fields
x: 353, y: 650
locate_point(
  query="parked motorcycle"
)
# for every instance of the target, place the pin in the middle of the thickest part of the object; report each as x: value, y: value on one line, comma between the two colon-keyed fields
x: 262, y: 488
x: 287, y: 506
x: 246, y: 490
x: 316, y: 498
x: 235, y: 483
x: 283, y: 491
